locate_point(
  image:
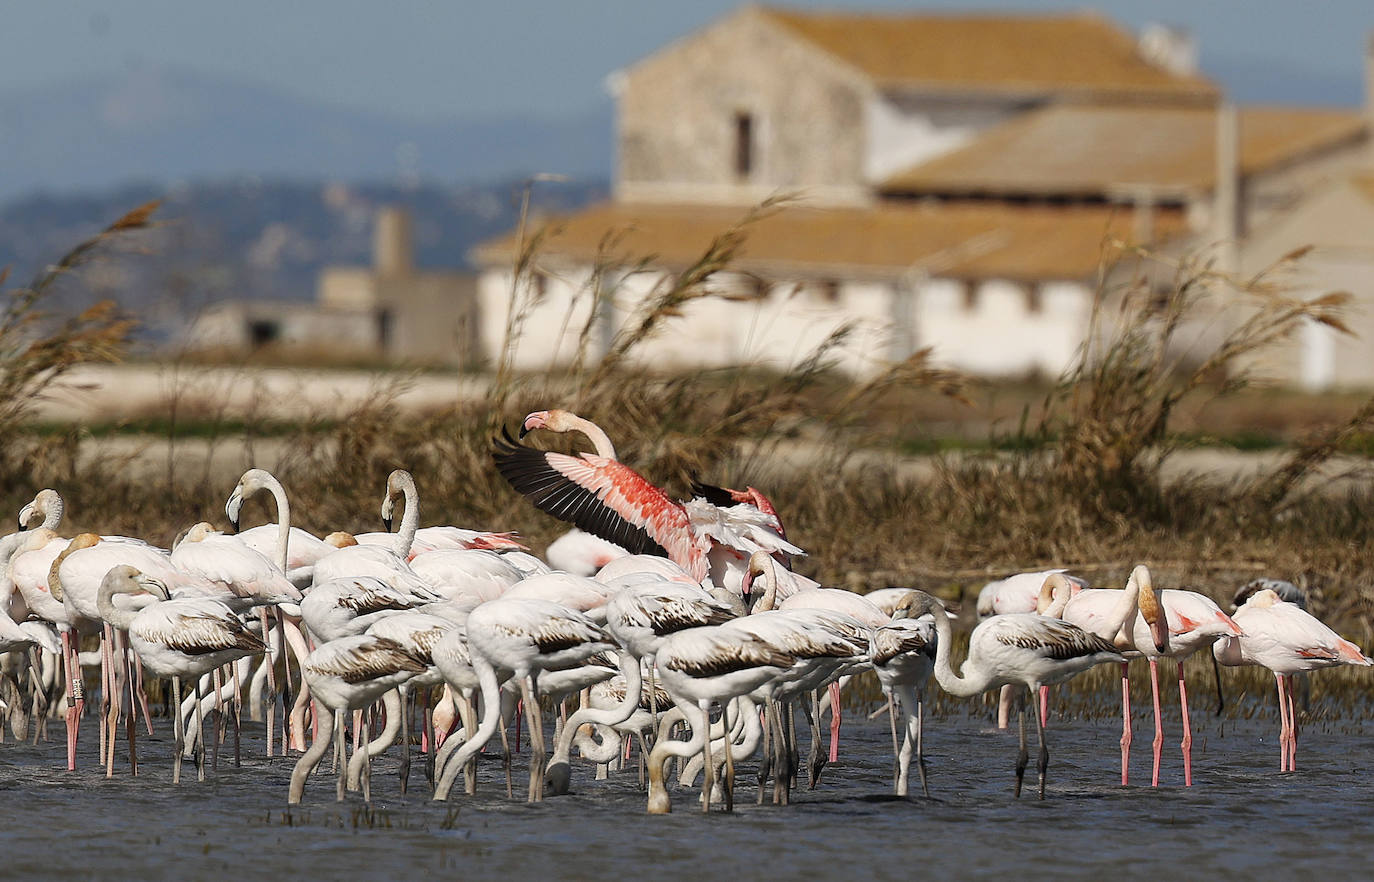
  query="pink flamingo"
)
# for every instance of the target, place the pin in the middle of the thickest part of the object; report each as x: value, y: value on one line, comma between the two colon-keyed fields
x: 1287, y: 640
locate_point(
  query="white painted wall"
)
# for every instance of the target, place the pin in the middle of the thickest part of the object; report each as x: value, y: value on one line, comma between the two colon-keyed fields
x: 999, y: 335
x: 905, y: 131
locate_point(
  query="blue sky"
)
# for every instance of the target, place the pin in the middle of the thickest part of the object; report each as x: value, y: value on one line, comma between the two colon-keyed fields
x: 447, y: 60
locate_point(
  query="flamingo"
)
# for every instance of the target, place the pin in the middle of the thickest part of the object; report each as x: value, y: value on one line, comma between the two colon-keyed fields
x: 582, y: 553
x: 836, y: 600
x: 295, y: 552
x: 1110, y: 615
x: 413, y: 540
x: 903, y: 655
x: 347, y: 674
x: 1194, y: 622
x: 1287, y: 640
x: 176, y: 638
x: 1022, y: 648
x: 521, y: 638
x: 1017, y: 593
x: 417, y: 632
x: 698, y: 667
x: 603, y: 496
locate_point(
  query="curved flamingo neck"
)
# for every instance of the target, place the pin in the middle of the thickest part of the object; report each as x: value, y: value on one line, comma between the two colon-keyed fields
x: 964, y: 685
x: 769, y: 599
x: 52, y: 509
x: 283, y: 518
x: 410, y: 521
x: 601, y: 442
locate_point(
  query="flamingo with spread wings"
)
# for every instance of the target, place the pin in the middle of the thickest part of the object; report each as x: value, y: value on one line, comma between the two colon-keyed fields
x: 603, y: 496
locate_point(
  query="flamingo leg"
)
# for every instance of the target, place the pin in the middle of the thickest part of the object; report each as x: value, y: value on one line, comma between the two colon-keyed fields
x: 200, y: 731
x: 896, y: 749
x: 816, y: 761
x: 311, y: 758
x: 834, y: 721
x: 1221, y: 696
x: 920, y: 747
x: 405, y: 739
x: 1043, y: 763
x: 1187, y: 743
x: 339, y: 764
x: 1292, y: 724
x: 1159, y: 725
x: 1125, y: 723
x: 75, y: 696
x: 904, y: 753
x: 1044, y: 706
x: 1283, y: 724
x: 1022, y: 758
x: 1004, y: 697
x: 766, y: 755
x: 708, y: 772
x: 729, y: 758
x: 532, y: 711
x: 270, y: 662
x: 178, y: 729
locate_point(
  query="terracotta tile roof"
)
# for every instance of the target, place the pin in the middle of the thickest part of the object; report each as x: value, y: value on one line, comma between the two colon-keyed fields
x: 1078, y: 150
x: 1007, y: 53
x: 953, y: 240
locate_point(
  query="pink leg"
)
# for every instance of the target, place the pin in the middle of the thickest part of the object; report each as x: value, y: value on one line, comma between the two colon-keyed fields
x: 74, y: 697
x: 519, y: 708
x: 1187, y: 743
x: 1125, y: 725
x: 1283, y: 725
x: 1159, y: 725
x: 1044, y: 706
x: 834, y: 722
x: 1292, y: 724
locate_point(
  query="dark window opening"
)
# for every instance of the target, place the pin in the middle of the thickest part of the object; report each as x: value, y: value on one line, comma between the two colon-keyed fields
x: 384, y: 327
x: 260, y: 332
x: 744, y: 144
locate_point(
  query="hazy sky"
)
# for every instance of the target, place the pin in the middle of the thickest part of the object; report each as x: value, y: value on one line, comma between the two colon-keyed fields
x: 549, y: 57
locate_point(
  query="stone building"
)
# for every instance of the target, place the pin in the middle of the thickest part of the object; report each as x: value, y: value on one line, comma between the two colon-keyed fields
x: 962, y: 182
x: 389, y: 311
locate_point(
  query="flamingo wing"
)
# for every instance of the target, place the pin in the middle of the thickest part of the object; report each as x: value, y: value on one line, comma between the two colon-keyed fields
x: 599, y: 495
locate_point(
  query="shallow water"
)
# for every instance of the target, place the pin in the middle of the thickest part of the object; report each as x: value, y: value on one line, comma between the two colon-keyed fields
x: 1241, y: 818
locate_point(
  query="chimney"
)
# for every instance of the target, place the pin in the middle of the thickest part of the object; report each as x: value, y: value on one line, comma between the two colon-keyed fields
x: 1172, y: 48
x: 391, y: 250
x: 1227, y: 217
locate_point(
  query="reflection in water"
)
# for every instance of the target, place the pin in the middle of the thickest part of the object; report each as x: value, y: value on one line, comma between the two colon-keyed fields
x: 1241, y: 817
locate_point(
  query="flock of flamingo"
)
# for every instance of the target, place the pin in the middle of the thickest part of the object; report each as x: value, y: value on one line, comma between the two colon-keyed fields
x: 679, y: 627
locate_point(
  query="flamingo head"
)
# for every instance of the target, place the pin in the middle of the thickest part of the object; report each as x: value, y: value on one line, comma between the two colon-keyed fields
x: 252, y: 481
x: 196, y: 533
x: 36, y: 512
x: 340, y: 539
x: 759, y: 564
x: 395, y: 489
x: 540, y: 419
x: 1263, y: 598
x: 1148, y: 604
x: 916, y: 604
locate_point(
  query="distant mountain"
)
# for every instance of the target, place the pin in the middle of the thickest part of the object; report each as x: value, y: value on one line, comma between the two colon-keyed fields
x: 250, y: 238
x: 171, y: 125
